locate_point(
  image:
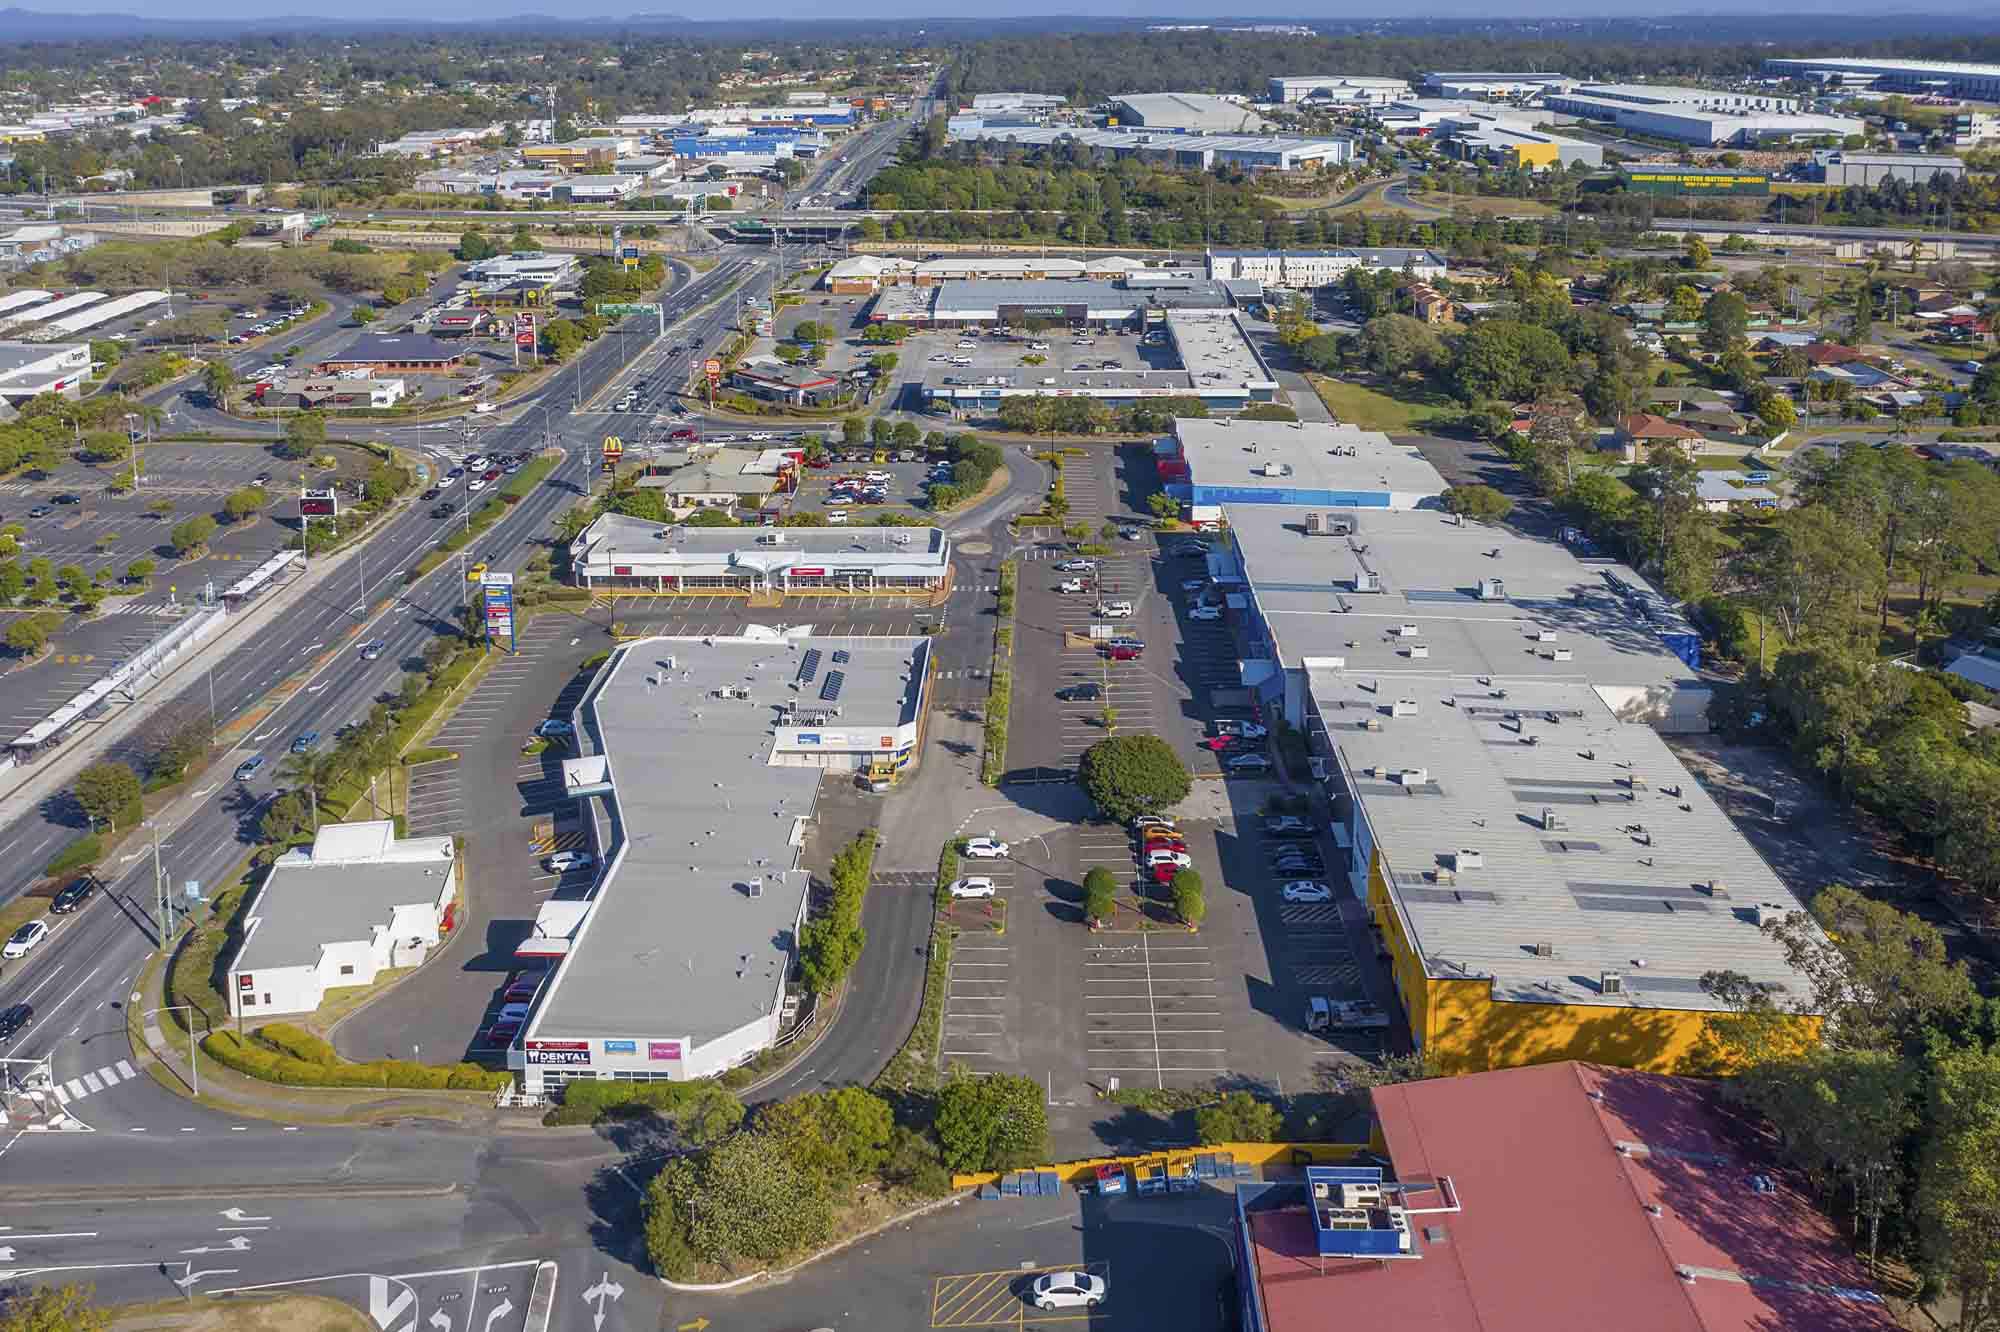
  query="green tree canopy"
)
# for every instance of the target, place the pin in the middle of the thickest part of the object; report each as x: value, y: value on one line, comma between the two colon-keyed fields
x: 1129, y: 775
x: 993, y: 1121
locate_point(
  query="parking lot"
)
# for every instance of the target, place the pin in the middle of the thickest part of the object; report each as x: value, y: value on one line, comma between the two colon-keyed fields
x: 509, y: 808
x: 902, y: 491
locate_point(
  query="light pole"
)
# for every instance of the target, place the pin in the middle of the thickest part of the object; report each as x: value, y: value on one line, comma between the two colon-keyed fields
x: 194, y: 1046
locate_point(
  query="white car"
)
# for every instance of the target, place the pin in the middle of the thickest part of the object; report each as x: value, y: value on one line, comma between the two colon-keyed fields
x: 1115, y: 610
x: 564, y: 861
x: 985, y: 848
x: 1178, y: 859
x: 23, y: 941
x: 1249, y: 763
x: 968, y: 346
x: 1249, y: 730
x: 1069, y: 1290
x: 476, y: 484
x: 1205, y: 613
x: 977, y: 885
x: 482, y: 408
x: 475, y: 462
x: 1307, y: 890
x: 1154, y: 821
x: 1072, y: 585
x: 1194, y: 585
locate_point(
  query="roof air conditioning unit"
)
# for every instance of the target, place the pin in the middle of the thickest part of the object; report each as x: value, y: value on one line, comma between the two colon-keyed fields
x: 1545, y: 636
x: 755, y: 887
x: 1562, y: 654
x: 1465, y: 859
x: 1403, y: 707
x: 1406, y: 631
x: 1367, y: 582
x: 1717, y: 888
x: 1550, y: 821
x: 1419, y: 651
x: 1545, y: 948
x: 1492, y: 589
x: 1610, y: 982
x: 1414, y: 776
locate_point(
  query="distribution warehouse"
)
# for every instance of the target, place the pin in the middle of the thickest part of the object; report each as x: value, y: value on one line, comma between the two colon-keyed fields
x: 676, y: 962
x: 1252, y: 152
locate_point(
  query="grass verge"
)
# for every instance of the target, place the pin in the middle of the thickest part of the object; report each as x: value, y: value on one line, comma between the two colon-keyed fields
x: 1372, y: 409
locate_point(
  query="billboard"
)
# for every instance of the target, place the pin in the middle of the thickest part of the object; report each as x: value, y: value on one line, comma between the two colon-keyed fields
x: 1674, y: 179
x: 524, y: 329
x: 497, y: 592
x: 319, y: 504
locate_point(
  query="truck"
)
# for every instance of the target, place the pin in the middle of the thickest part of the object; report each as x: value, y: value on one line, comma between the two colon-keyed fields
x: 1324, y: 1014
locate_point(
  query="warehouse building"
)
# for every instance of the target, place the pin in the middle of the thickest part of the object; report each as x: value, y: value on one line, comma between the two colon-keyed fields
x: 1492, y: 85
x: 1700, y: 181
x: 1423, y: 115
x: 1195, y: 112
x: 1514, y: 148
x: 1195, y: 152
x: 1018, y: 101
x: 1074, y: 302
x: 358, y: 902
x: 1607, y: 101
x: 1307, y: 269
x: 394, y: 354
x: 580, y: 154
x: 1833, y: 166
x: 1742, y: 129
x: 1936, y: 78
x: 675, y: 963
x: 1338, y: 89
x: 1295, y: 463
x: 1484, y: 1192
x: 30, y: 369
x: 626, y: 556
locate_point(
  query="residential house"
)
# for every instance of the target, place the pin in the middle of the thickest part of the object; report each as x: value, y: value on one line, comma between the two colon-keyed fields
x: 1639, y: 433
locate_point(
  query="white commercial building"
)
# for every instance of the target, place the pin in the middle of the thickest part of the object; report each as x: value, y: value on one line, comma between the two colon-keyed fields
x: 1697, y: 115
x: 1417, y: 115
x: 1512, y: 86
x: 620, y: 554
x: 29, y: 369
x: 1303, y: 269
x: 1013, y: 101
x: 1200, y: 112
x: 1252, y: 152
x: 673, y: 961
x: 1938, y: 78
x: 537, y: 266
x: 359, y: 901
x: 1339, y: 89
x: 1297, y: 463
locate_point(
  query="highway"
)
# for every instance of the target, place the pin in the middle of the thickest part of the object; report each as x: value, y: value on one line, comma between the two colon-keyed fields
x: 95, y: 952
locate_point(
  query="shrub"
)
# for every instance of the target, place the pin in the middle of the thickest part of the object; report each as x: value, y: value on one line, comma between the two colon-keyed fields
x: 85, y: 850
x: 831, y: 942
x: 1129, y: 775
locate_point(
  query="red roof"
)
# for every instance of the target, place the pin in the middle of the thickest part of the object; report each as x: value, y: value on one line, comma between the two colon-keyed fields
x: 1645, y: 425
x: 1831, y: 353
x: 1554, y: 1231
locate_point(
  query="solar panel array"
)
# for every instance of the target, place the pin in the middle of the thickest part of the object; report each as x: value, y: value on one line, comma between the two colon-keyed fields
x: 829, y: 691
x: 809, y: 666
x: 840, y: 656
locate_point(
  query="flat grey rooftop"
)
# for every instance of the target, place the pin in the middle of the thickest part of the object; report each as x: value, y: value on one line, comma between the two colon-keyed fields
x: 304, y: 906
x: 617, y: 532
x: 674, y: 943
x: 1430, y: 571
x: 1645, y: 876
x: 1224, y: 452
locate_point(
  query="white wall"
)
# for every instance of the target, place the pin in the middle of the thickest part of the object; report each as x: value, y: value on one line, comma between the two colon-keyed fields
x: 278, y: 991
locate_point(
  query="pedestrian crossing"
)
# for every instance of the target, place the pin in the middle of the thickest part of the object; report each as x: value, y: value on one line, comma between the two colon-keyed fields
x: 94, y: 1081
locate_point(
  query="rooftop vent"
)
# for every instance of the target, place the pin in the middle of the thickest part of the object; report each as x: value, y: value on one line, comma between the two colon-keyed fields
x: 1551, y: 821
x: 1610, y: 982
x: 1366, y: 581
x: 1414, y: 776
x: 1545, y: 948
x: 1406, y: 631
x: 1419, y: 651
x: 1492, y: 589
x: 1404, y: 707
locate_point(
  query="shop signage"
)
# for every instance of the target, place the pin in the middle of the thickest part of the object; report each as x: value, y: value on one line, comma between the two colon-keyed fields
x: 621, y: 1047
x: 663, y: 1049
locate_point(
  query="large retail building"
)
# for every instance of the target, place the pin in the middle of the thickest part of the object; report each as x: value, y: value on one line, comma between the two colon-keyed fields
x: 630, y: 556
x: 698, y: 765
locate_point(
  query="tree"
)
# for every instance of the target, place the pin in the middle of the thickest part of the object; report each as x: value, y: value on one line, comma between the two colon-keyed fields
x: 840, y: 1135
x: 473, y: 246
x: 1190, y: 899
x: 52, y: 1309
x: 138, y: 571
x: 906, y: 434
x: 1395, y: 344
x: 365, y: 314
x: 853, y: 429
x: 304, y: 434
x: 1694, y: 251
x: 1129, y: 775
x: 240, y: 504
x: 1237, y: 1117
x: 12, y: 583
x: 1480, y: 503
x: 1683, y: 305
x: 27, y: 635
x: 315, y: 772
x: 1811, y: 571
x: 1878, y: 975
x: 1958, y: 1185
x: 217, y: 379
x: 106, y: 792
x: 1510, y: 361
x: 994, y: 1121
x: 1775, y: 410
x: 192, y: 534
x: 1100, y: 895
x: 880, y: 430
x: 738, y: 1199
x: 1724, y: 319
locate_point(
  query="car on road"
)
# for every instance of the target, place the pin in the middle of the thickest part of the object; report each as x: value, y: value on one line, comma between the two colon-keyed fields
x: 304, y: 741
x: 1080, y: 693
x: 564, y: 861
x: 23, y: 941
x: 975, y: 885
x: 452, y: 475
x: 1205, y: 612
x: 1068, y: 1290
x: 477, y: 484
x: 72, y: 895
x: 13, y: 1018
x: 554, y: 727
x: 1077, y: 566
x: 476, y: 462
x: 248, y: 767
x: 431, y: 494
x: 1306, y: 890
x: 985, y: 848
x: 444, y: 510
x: 1252, y: 762
x: 68, y: 498
x: 372, y: 649
x: 40, y: 511
x: 490, y: 474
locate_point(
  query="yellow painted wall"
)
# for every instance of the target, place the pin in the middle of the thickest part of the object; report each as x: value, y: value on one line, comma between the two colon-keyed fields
x: 1246, y: 1153
x: 1466, y: 1030
x: 1533, y: 155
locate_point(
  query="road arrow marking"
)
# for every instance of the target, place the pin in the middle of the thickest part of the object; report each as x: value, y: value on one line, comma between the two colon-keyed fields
x: 505, y: 1307
x: 386, y: 1311
x: 193, y: 1276
x: 698, y: 1325
x: 440, y: 1320
x: 238, y: 1214
x: 604, y: 1291
x: 205, y: 790
x: 236, y: 1243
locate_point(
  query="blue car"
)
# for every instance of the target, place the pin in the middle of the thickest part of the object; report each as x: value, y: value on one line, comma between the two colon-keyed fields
x: 305, y: 741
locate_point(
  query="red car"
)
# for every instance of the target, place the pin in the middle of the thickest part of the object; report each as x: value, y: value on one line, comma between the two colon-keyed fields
x: 817, y: 464
x: 490, y: 474
x: 501, y: 1034
x: 1122, y: 653
x: 682, y: 434
x: 1165, y: 873
x: 1223, y: 743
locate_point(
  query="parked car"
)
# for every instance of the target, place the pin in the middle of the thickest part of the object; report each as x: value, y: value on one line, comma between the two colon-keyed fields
x: 554, y: 727
x: 13, y: 1018
x: 72, y: 895
x: 1249, y: 730
x: 1121, y: 652
x: 1069, y: 1290
x: 40, y: 511
x: 1205, y: 613
x: 1077, y: 566
x: 1123, y: 641
x: 248, y: 767
x: 1287, y: 825
x: 1177, y: 859
x: 1307, y: 890
x: 500, y: 1035
x: 24, y: 940
x: 1154, y: 821
x: 1080, y: 693
x: 564, y: 861
x: 1115, y: 610
x: 985, y: 848
x: 977, y: 885
x: 1073, y: 585
x: 1189, y: 550
x: 1194, y: 585
x: 1252, y: 762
